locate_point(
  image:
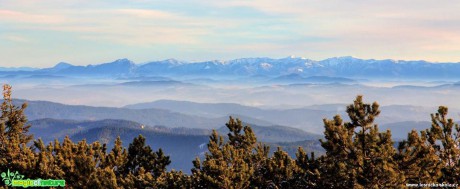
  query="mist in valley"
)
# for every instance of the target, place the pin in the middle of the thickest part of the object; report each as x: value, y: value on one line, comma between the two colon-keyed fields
x: 416, y: 100
x: 177, y: 105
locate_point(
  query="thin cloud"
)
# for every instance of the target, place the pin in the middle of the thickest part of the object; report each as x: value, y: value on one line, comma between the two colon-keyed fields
x: 16, y: 38
x: 146, y: 13
x: 22, y: 17
x: 315, y: 29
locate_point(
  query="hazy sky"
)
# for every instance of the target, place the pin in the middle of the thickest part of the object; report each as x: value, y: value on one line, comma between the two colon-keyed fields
x: 41, y: 33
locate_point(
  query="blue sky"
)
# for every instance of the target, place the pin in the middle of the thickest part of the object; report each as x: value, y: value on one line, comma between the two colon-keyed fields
x: 41, y: 33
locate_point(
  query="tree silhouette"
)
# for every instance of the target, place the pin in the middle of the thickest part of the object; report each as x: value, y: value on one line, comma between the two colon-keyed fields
x: 357, y: 154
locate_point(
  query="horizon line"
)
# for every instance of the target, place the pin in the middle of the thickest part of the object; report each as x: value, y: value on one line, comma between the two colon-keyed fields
x: 228, y: 60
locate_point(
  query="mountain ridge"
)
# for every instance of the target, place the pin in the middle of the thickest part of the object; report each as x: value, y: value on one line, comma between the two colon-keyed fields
x: 334, y: 67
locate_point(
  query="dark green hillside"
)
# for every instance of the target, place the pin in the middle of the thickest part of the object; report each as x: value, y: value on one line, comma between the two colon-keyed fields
x: 182, y: 144
x: 181, y: 148
x: 50, y: 129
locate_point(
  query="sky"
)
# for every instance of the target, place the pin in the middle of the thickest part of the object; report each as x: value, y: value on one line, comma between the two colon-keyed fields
x: 41, y: 33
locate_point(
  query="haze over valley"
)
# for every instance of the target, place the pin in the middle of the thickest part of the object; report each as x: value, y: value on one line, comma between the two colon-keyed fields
x: 291, y: 82
x: 176, y: 104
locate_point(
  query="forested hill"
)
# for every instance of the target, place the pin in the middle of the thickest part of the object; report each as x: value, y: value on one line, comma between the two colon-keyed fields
x: 44, y: 109
x: 181, y: 144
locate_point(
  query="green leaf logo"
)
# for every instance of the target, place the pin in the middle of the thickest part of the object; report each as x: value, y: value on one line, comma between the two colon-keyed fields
x: 8, y: 177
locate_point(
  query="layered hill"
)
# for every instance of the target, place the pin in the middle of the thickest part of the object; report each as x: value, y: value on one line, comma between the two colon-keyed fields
x: 181, y: 144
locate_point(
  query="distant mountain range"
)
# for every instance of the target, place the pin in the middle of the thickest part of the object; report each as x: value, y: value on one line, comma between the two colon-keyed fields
x: 348, y: 67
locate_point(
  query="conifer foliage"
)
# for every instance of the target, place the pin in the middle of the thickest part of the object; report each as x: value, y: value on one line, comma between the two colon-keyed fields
x: 433, y: 156
x: 80, y: 164
x: 14, y: 138
x: 358, y: 155
x: 444, y: 137
x: 227, y: 164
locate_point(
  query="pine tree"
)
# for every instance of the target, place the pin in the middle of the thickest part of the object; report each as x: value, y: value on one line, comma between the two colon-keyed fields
x: 280, y: 171
x: 259, y: 162
x: 13, y: 120
x: 141, y: 179
x: 15, y: 151
x: 357, y: 154
x: 74, y: 162
x: 141, y: 155
x: 174, y: 180
x: 245, y: 140
x: 47, y: 164
x: 307, y: 174
x: 102, y: 178
x: 80, y: 161
x: 143, y: 166
x: 418, y: 159
x: 227, y: 164
x: 434, y: 155
x: 444, y: 137
x: 117, y: 157
x: 242, y: 162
